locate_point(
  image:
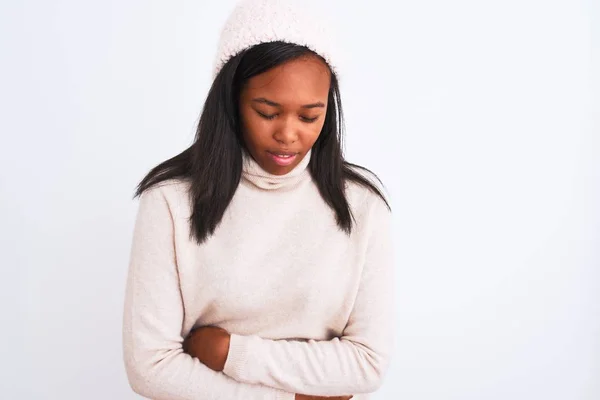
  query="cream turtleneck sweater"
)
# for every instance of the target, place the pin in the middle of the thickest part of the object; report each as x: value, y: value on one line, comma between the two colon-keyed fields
x: 309, y: 308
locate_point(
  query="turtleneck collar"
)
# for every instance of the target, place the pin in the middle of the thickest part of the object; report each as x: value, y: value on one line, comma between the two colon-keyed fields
x: 255, y: 174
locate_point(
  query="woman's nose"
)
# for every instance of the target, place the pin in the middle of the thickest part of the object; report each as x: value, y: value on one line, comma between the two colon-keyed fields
x: 287, y: 132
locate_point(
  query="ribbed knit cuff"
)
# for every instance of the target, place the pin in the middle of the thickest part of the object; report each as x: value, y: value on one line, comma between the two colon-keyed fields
x: 238, y: 364
x: 236, y: 361
x: 281, y: 395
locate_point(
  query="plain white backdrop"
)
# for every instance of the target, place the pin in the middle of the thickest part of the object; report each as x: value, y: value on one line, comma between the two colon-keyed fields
x: 477, y: 115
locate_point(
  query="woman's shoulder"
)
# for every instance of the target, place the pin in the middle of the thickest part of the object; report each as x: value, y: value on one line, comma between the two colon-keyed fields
x: 168, y: 187
x: 173, y: 193
x: 365, y: 190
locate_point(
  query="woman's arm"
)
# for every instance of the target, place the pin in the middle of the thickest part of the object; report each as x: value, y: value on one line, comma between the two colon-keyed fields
x: 210, y: 345
x: 155, y: 362
x: 354, y: 363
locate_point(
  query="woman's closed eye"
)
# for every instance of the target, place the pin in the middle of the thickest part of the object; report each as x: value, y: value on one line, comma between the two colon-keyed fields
x: 309, y: 120
x: 272, y: 116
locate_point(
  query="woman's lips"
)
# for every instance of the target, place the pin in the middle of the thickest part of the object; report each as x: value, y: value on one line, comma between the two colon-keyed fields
x: 284, y: 158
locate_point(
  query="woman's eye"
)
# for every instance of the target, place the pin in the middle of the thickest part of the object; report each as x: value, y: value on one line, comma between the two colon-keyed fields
x: 272, y: 116
x: 266, y: 116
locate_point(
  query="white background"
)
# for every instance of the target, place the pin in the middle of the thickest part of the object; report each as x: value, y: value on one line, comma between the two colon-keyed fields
x: 476, y: 114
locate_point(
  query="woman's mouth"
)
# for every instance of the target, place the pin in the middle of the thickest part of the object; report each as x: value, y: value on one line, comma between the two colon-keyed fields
x: 283, y: 158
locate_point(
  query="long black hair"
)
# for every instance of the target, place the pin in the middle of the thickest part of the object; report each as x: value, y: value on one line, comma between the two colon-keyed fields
x: 213, y: 163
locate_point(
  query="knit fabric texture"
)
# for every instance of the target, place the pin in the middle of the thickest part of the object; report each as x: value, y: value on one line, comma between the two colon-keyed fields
x: 254, y: 173
x: 258, y: 21
x: 309, y: 307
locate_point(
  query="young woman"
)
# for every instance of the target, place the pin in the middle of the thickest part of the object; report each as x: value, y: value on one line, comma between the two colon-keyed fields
x: 261, y: 265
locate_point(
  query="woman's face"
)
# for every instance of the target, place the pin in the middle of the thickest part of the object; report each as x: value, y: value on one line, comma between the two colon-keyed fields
x: 283, y: 111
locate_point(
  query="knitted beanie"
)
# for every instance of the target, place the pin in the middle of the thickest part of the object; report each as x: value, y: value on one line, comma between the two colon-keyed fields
x: 259, y: 21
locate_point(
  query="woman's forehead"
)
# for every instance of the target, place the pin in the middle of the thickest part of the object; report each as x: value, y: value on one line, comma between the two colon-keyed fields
x: 300, y: 80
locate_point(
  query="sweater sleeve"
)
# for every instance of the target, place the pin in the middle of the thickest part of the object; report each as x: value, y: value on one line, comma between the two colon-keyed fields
x: 352, y: 364
x: 155, y: 363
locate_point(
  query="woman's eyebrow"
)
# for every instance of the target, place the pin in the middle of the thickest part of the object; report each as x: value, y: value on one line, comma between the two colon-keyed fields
x: 314, y: 105
x: 274, y: 104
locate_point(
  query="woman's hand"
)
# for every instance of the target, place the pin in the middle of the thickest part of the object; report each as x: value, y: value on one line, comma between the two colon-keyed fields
x: 210, y: 345
x: 307, y: 397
